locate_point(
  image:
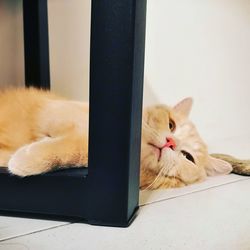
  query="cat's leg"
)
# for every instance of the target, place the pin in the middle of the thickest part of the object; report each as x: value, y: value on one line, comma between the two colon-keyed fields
x: 5, y: 156
x: 48, y: 154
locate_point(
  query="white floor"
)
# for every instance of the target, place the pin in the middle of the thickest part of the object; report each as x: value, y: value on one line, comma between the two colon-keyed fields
x: 210, y: 215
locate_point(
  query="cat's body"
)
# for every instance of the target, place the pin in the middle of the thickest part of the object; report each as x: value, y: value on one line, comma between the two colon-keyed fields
x: 40, y: 132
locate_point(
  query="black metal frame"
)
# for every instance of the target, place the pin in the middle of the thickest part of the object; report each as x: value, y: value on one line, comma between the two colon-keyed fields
x: 36, y: 43
x: 107, y: 193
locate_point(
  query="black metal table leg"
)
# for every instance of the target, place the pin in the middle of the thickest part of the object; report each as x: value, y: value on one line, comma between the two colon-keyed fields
x: 116, y: 87
x: 36, y: 44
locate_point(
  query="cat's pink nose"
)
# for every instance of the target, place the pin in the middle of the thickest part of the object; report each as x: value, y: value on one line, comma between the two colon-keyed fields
x: 170, y: 143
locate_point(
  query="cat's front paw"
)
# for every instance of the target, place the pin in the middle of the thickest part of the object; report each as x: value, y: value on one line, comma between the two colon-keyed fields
x: 18, y: 167
x: 25, y: 163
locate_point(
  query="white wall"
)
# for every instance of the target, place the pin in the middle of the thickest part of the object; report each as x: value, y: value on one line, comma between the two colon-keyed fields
x: 201, y: 48
x: 11, y: 44
x: 69, y: 27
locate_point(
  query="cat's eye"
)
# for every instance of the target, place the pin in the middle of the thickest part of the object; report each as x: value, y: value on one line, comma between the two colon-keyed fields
x: 172, y: 125
x: 188, y: 156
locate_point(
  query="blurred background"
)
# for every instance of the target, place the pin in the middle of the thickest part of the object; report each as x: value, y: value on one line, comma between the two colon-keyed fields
x: 198, y: 48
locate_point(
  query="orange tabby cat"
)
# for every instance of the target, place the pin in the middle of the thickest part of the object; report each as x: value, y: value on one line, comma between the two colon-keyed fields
x: 40, y: 131
x: 173, y: 154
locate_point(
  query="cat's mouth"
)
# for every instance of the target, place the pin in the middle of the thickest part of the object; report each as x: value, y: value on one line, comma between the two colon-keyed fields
x: 158, y: 150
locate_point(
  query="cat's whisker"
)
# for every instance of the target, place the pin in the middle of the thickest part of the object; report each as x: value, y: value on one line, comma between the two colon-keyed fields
x: 155, y: 180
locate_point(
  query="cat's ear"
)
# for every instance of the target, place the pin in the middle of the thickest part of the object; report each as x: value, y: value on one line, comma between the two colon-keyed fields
x: 184, y: 107
x: 217, y: 167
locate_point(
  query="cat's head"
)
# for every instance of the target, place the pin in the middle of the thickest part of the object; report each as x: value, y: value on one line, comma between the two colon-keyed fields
x: 172, y: 148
